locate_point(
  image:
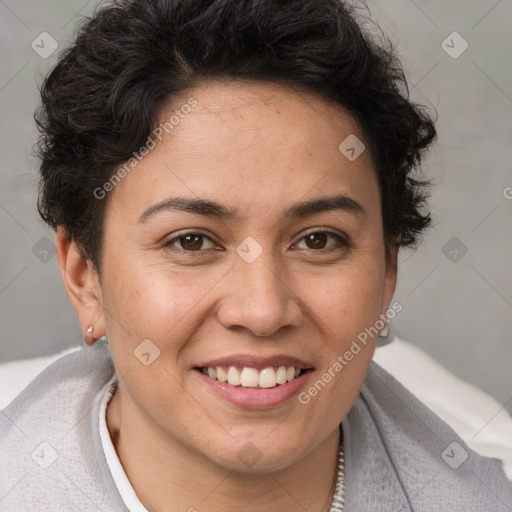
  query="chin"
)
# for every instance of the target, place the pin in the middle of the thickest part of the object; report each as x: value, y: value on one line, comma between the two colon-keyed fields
x: 261, y: 450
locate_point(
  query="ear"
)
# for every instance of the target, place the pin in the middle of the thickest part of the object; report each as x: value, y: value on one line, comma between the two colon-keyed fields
x: 391, y: 275
x: 82, y: 285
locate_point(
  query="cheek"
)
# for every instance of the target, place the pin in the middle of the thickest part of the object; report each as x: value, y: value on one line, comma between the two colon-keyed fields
x: 348, y: 301
x: 343, y: 308
x: 151, y: 301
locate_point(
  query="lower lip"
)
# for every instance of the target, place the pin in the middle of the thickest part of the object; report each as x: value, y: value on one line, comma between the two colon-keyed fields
x: 256, y: 398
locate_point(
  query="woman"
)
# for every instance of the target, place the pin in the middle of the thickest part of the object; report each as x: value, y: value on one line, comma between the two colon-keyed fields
x: 230, y: 183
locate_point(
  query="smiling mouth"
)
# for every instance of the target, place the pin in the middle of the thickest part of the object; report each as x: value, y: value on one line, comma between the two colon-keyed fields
x: 247, y: 377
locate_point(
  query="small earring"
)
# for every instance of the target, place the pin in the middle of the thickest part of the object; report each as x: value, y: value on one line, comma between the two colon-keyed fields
x: 386, y: 336
x: 90, y: 329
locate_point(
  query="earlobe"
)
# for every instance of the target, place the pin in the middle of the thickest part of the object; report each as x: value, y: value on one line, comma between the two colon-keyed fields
x: 82, y: 286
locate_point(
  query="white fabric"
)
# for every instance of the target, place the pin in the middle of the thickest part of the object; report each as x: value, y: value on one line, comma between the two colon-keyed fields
x: 474, y: 415
x: 15, y: 375
x: 480, y: 420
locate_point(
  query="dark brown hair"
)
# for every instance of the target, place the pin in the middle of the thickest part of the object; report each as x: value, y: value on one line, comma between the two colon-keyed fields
x: 101, y: 101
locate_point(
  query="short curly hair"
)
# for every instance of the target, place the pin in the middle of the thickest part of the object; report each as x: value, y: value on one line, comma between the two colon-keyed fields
x: 102, y: 99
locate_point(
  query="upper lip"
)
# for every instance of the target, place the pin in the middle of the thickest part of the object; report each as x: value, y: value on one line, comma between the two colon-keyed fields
x: 258, y: 362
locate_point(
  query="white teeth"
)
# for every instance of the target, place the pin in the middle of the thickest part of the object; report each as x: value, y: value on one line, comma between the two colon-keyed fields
x: 249, y: 378
x: 267, y: 378
x: 222, y: 376
x: 233, y: 376
x: 281, y: 375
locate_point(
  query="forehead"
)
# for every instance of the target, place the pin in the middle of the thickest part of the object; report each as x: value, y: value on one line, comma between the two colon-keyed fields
x: 253, y: 145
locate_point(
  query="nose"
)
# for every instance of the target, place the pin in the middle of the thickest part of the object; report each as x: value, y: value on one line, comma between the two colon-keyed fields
x: 258, y: 299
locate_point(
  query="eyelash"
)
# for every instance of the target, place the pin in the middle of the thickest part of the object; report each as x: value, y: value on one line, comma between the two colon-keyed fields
x: 342, y: 242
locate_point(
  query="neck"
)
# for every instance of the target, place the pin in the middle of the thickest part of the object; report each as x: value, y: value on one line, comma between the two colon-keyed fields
x: 167, y: 472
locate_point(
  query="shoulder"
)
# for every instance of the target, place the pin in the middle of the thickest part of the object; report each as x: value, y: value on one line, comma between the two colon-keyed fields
x: 63, y: 386
x: 418, y: 454
x: 51, y: 455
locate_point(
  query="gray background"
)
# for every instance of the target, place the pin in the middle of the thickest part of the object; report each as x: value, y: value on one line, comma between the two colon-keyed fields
x: 458, y: 308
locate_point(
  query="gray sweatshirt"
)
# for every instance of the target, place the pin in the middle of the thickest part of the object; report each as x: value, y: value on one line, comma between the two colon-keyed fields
x: 399, y: 456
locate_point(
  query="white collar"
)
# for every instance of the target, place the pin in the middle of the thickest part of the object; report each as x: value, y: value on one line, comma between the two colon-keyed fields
x: 121, y: 480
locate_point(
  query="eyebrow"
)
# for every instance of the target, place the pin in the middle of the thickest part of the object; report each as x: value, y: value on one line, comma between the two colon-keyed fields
x: 212, y: 209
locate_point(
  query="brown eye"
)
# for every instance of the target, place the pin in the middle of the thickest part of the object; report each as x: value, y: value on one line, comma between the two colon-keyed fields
x: 318, y: 240
x: 191, y: 242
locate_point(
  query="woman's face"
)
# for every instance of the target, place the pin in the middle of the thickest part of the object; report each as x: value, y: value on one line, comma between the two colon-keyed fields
x: 283, y: 265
